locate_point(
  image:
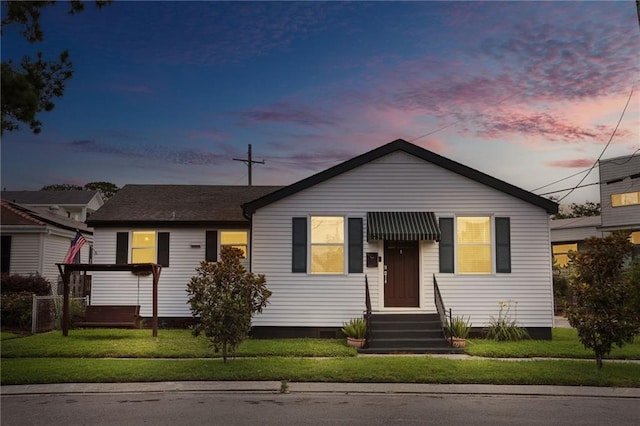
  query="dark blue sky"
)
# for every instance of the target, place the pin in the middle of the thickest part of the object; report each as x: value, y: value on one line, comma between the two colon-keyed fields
x: 170, y: 92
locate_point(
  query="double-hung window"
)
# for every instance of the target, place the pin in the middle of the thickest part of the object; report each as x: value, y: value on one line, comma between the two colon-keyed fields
x: 475, y: 245
x: 473, y: 248
x: 327, y: 244
x: 235, y: 239
x: 145, y: 247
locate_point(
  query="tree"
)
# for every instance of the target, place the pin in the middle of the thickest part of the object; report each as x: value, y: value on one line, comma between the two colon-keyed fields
x: 106, y: 189
x: 225, y: 296
x: 62, y: 187
x: 29, y: 87
x: 589, y: 208
x: 606, y: 308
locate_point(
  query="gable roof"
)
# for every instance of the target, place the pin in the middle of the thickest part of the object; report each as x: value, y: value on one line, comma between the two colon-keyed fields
x: 64, y: 198
x: 177, y: 205
x: 409, y: 148
x: 576, y: 222
x: 19, y: 215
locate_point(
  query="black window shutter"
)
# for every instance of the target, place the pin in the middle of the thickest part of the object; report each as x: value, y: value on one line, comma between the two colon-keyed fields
x: 163, y: 248
x: 446, y: 245
x: 5, y: 261
x: 355, y: 244
x: 503, y: 245
x: 211, y: 250
x: 122, y: 248
x: 299, y: 245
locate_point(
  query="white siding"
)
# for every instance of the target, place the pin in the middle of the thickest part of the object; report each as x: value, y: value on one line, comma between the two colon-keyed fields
x: 124, y: 288
x: 26, y: 253
x: 401, y: 182
x: 56, y: 246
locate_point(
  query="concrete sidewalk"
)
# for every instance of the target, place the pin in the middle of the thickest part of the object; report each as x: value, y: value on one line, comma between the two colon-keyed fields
x: 275, y: 387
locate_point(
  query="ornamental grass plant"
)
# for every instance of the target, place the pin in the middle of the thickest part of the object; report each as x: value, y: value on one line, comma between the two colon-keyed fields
x: 504, y: 328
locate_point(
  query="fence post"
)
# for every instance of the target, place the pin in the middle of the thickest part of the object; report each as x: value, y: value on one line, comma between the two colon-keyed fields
x: 34, y: 314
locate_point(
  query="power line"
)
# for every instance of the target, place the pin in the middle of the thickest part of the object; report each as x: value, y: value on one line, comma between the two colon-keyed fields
x: 605, y: 148
x: 249, y: 162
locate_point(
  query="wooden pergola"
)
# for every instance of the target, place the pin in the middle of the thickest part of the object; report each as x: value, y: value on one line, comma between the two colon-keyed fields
x: 67, y: 268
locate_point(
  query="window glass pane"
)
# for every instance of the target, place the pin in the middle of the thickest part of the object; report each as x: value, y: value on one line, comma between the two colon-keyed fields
x: 474, y: 230
x: 564, y: 248
x: 635, y: 237
x: 626, y: 199
x: 561, y: 259
x: 143, y: 255
x: 143, y: 239
x: 327, y: 259
x: 143, y: 247
x: 233, y: 237
x: 327, y: 229
x: 474, y: 259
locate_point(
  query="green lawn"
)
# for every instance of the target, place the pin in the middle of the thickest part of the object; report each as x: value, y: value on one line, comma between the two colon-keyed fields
x: 341, y: 369
x: 565, y: 344
x: 116, y: 343
x: 109, y: 355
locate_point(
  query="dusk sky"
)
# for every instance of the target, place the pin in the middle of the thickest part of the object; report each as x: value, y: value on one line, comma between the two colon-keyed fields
x: 171, y: 92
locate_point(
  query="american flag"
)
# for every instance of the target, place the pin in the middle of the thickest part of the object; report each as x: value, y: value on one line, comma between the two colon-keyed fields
x: 74, y: 250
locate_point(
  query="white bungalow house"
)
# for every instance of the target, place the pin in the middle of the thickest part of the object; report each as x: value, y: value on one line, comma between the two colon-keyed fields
x: 72, y: 204
x: 399, y: 215
x: 34, y: 240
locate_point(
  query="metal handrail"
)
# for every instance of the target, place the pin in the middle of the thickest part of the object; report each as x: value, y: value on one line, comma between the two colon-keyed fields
x: 442, y: 311
x: 367, y: 313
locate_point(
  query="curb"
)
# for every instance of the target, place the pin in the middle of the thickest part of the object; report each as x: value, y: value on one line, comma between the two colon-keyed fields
x: 314, y: 387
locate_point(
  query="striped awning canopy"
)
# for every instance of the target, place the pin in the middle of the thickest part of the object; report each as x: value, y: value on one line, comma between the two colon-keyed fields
x: 402, y: 226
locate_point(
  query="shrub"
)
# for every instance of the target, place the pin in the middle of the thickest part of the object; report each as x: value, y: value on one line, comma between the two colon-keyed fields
x: 459, y: 327
x: 355, y: 328
x: 15, y: 310
x: 504, y: 328
x: 35, y: 284
x: 225, y: 296
x: 606, y: 298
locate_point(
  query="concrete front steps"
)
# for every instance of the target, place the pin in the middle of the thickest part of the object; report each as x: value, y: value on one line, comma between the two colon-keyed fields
x: 407, y: 334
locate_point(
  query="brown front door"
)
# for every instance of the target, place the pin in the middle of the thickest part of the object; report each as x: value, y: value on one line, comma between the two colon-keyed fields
x: 402, y: 283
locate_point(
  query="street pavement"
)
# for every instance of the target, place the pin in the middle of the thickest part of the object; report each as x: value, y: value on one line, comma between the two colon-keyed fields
x: 312, y: 387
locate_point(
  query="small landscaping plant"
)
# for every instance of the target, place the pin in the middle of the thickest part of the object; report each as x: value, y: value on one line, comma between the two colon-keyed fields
x: 504, y: 328
x: 356, y: 328
x: 459, y: 327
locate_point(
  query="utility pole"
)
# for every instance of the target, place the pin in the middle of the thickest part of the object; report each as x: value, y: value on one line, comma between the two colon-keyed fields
x: 249, y: 162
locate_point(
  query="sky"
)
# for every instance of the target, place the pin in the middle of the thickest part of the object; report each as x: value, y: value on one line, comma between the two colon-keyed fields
x: 171, y: 92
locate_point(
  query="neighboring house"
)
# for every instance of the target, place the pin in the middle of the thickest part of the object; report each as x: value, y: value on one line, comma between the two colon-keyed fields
x: 398, y: 215
x: 619, y: 206
x: 569, y: 235
x: 177, y: 226
x: 34, y: 240
x: 620, y: 196
x: 76, y: 205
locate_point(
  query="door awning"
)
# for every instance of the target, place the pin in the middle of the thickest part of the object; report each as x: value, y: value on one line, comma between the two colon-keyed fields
x: 402, y: 226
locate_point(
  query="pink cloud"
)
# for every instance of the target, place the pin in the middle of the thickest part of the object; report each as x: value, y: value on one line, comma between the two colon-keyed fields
x: 576, y: 163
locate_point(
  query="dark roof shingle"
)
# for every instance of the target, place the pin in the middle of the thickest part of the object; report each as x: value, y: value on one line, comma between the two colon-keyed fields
x: 135, y: 204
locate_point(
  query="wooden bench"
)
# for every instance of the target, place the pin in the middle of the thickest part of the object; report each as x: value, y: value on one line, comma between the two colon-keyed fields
x: 111, y: 316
